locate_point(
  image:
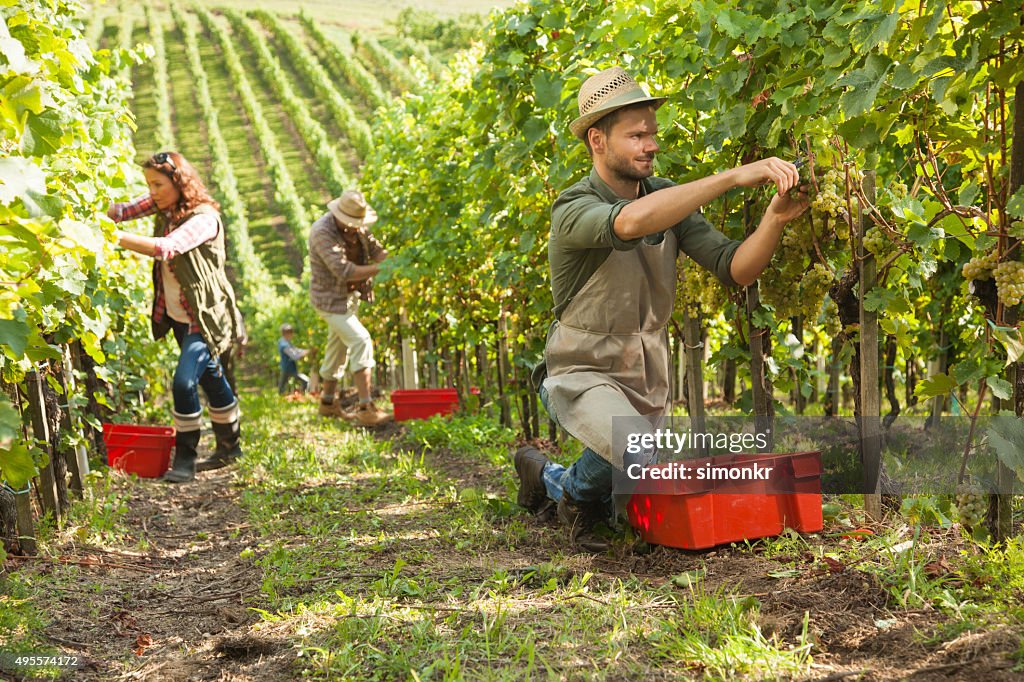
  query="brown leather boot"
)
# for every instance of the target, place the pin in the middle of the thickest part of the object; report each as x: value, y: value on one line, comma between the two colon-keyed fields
x: 581, y: 518
x: 529, y: 468
x: 368, y: 414
x: 332, y: 409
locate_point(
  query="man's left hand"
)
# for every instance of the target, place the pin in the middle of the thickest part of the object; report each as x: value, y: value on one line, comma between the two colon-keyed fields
x: 785, y: 208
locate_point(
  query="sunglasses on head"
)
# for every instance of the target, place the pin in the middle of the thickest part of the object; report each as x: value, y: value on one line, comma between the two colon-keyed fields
x: 164, y: 157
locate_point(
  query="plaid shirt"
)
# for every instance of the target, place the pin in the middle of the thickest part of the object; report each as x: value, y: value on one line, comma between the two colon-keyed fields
x: 330, y: 269
x: 195, y: 231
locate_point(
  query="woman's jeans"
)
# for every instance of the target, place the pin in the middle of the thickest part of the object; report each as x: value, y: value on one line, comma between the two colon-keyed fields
x: 196, y: 368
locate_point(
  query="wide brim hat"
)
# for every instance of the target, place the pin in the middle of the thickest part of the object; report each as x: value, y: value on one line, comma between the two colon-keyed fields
x: 351, y: 209
x: 605, y: 92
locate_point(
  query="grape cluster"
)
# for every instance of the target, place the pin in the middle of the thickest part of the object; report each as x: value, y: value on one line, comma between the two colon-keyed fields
x: 793, y: 291
x: 797, y: 235
x: 980, y: 267
x: 814, y: 286
x: 698, y: 289
x: 898, y: 190
x: 1009, y: 276
x: 972, y: 503
x: 828, y: 199
x: 778, y: 287
x: 878, y: 243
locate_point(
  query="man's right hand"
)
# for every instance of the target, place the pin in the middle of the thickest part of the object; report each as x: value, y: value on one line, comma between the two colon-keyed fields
x: 773, y: 169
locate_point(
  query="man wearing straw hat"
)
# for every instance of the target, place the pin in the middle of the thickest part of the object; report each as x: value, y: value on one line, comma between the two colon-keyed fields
x: 343, y: 258
x: 615, y: 237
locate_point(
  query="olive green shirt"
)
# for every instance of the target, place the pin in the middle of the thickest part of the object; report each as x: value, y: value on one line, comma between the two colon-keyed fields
x: 583, y: 236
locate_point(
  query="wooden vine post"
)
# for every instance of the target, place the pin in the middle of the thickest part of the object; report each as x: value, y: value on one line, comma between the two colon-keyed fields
x: 76, y: 457
x: 694, y: 351
x: 409, y: 378
x: 870, y: 416
x: 41, y: 431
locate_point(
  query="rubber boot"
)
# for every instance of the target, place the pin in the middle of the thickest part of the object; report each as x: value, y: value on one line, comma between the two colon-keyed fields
x: 184, y: 469
x: 227, y: 435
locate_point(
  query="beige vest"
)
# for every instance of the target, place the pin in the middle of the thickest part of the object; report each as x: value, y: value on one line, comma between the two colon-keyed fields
x: 608, y: 360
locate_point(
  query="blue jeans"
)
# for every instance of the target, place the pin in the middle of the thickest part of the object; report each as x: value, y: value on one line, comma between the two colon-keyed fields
x: 588, y: 479
x: 286, y: 377
x: 197, y: 368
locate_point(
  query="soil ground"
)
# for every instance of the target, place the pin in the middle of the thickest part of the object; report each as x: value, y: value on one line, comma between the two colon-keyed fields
x: 177, y: 600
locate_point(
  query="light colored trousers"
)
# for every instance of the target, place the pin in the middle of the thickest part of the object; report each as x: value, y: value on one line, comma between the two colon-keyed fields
x: 349, y: 346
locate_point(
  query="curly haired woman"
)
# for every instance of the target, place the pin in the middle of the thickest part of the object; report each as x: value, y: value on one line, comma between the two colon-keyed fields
x: 192, y: 298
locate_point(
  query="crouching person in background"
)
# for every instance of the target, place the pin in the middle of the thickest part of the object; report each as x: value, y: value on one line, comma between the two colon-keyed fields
x: 343, y: 258
x: 290, y: 355
x: 193, y: 299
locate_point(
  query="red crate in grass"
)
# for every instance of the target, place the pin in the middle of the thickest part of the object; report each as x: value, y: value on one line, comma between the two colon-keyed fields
x: 141, y: 450
x: 697, y: 514
x: 421, y: 403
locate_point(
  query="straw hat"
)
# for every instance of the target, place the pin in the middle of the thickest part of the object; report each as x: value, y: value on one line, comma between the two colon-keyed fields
x: 605, y: 92
x: 351, y: 210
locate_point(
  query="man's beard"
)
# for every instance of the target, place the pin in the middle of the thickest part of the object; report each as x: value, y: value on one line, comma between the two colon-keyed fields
x: 624, y: 169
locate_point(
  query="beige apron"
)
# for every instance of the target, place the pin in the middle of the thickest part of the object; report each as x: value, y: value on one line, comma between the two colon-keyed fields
x: 607, y: 358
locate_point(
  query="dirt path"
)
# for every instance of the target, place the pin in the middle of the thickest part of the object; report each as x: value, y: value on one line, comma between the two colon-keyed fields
x: 181, y: 606
x: 178, y: 611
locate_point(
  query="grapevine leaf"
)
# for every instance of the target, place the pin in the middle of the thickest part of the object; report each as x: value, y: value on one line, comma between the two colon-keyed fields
x: 874, y: 30
x: 10, y: 422
x: 922, y: 235
x: 864, y: 84
x: 885, y: 299
x: 39, y: 205
x: 534, y: 129
x: 904, y: 76
x: 968, y: 193
x: 42, y: 134
x: 1015, y: 206
x: 1006, y: 436
x: 547, y: 87
x: 13, y: 51
x: 17, y: 466
x: 968, y: 371
x: 19, y: 175
x: 938, y: 384
x: 14, y: 337
x: 1000, y: 388
x: 1011, y: 340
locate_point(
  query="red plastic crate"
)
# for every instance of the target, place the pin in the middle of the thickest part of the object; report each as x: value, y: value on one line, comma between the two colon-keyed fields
x: 697, y: 514
x: 141, y: 450
x: 421, y: 403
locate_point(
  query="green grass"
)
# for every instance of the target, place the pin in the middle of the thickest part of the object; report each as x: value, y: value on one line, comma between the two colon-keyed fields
x: 409, y: 559
x: 406, y: 558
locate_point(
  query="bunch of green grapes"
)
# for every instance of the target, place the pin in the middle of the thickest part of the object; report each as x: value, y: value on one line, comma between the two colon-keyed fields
x: 814, y: 286
x: 779, y: 287
x: 980, y: 267
x: 1009, y: 276
x: 697, y: 289
x: 829, y: 200
x: 898, y: 190
x: 878, y: 243
x: 830, y: 312
x: 796, y: 237
x: 972, y: 503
